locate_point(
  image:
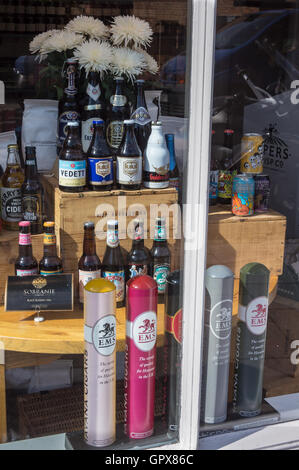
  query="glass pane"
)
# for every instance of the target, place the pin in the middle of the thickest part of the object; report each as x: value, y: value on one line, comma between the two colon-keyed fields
x: 60, y: 369
x: 251, y: 348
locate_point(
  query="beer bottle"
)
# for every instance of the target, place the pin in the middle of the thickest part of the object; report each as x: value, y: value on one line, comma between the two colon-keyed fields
x: 160, y: 256
x: 68, y: 108
x: 11, y: 195
x: 113, y: 266
x: 141, y: 117
x: 129, y: 160
x: 89, y: 263
x: 225, y: 181
x: 174, y: 176
x: 50, y: 263
x: 139, y: 258
x: 32, y: 206
x: 72, y: 162
x: 93, y: 107
x: 156, y: 160
x: 100, y: 160
x: 119, y: 110
x: 26, y: 264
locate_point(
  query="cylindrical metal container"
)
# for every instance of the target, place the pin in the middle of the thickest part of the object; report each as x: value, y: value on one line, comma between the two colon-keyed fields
x: 243, y: 195
x: 251, y: 339
x: 99, y: 363
x: 217, y: 340
x: 173, y: 347
x: 262, y: 193
x: 252, y: 153
x: 140, y: 357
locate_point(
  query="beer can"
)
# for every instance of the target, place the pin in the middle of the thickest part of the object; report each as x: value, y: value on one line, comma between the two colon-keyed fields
x: 252, y: 153
x: 243, y: 195
x: 251, y: 340
x: 140, y: 356
x: 262, y: 193
x: 99, y: 363
x: 219, y: 285
x: 173, y: 347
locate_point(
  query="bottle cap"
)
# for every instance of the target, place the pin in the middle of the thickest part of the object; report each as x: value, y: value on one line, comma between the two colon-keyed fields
x: 73, y: 124
x: 129, y: 122
x: 89, y: 225
x: 73, y: 60
x: 112, y: 223
x: 24, y: 224
x: 169, y: 136
x: 30, y: 151
x: 160, y: 221
x: 119, y: 79
x: 97, y: 122
x: 12, y: 146
x: 140, y: 81
x: 157, y: 123
x: 49, y: 224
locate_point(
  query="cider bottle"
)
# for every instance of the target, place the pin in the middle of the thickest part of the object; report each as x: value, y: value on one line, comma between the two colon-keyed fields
x: 11, y: 195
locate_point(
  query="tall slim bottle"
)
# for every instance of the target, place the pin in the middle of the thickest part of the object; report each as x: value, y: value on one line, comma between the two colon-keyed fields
x: 156, y: 160
x: 141, y: 117
x: 72, y: 162
x: 139, y: 257
x: 174, y: 175
x: 160, y: 256
x: 50, y: 263
x: 113, y: 266
x: 100, y: 160
x: 11, y: 194
x: 119, y: 110
x: 129, y: 160
x: 89, y: 264
x: 32, y: 197
x: 26, y: 264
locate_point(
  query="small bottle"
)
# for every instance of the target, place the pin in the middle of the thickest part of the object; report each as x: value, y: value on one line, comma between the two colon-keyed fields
x: 72, y: 162
x: 32, y: 197
x: 93, y: 108
x: 113, y: 266
x: 26, y: 264
x: 160, y: 256
x: 141, y: 118
x: 119, y: 110
x: 89, y: 263
x: 11, y: 194
x: 225, y: 180
x: 50, y: 263
x: 156, y: 161
x: 139, y: 258
x: 174, y: 175
x: 100, y: 160
x: 129, y: 160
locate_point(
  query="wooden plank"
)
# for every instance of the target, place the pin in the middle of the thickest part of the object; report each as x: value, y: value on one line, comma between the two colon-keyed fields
x: 3, y: 419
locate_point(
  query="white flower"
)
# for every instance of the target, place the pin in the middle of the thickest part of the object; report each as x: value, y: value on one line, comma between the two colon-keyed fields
x: 60, y: 42
x: 151, y: 64
x: 37, y: 42
x: 127, y: 62
x: 89, y: 26
x: 94, y: 56
x: 129, y: 30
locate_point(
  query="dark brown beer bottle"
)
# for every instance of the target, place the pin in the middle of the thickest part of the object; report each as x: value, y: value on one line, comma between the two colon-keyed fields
x: 26, y: 264
x: 72, y: 162
x: 139, y: 258
x: 119, y: 110
x: 100, y: 160
x: 141, y: 117
x: 32, y: 207
x: 113, y: 266
x: 50, y: 263
x: 89, y: 263
x: 11, y: 194
x: 129, y: 160
x: 160, y: 256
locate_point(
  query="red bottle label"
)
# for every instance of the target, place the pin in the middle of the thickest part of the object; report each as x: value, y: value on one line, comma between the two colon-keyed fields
x: 174, y: 325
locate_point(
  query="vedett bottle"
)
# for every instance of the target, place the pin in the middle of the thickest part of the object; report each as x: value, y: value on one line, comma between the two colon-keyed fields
x: 140, y: 357
x: 26, y: 264
x: 156, y: 160
x: 251, y: 340
x: 141, y: 117
x: 72, y: 162
x: 11, y: 194
x: 99, y: 363
x: 119, y: 110
x: 217, y: 340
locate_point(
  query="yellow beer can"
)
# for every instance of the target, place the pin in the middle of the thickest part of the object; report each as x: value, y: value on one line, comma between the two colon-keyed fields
x: 252, y: 153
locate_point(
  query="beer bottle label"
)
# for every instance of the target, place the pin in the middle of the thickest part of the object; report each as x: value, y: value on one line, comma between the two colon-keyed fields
x: 118, y: 100
x: 174, y: 325
x: 137, y: 269
x: 118, y: 279
x: 26, y: 272
x: 32, y: 208
x: 213, y: 192
x: 11, y: 204
x: 72, y: 173
x: 161, y: 272
x: 94, y: 92
x: 115, y: 132
x: 24, y: 239
x: 141, y: 116
x: 49, y: 239
x: 100, y: 171
x: 87, y: 133
x: 129, y: 170
x: 84, y: 278
x: 63, y: 121
x: 50, y: 273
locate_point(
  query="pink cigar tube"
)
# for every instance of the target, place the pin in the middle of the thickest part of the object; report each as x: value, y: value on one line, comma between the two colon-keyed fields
x: 99, y: 363
x: 140, y: 358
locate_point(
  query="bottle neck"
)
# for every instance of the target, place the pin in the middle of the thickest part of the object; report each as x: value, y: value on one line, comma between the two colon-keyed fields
x: 94, y: 89
x: 119, y: 88
x: 30, y: 169
x: 13, y: 157
x: 129, y: 146
x: 71, y: 89
x: 73, y: 138
x: 25, y: 245
x: 50, y: 244
x: 160, y: 234
x: 140, y: 97
x: 89, y: 244
x: 172, y: 160
x: 112, y: 238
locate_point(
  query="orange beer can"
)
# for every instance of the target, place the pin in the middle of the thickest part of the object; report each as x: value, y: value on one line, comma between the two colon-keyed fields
x: 252, y: 153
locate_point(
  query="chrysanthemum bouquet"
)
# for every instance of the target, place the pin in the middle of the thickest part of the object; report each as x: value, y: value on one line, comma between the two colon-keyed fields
x: 117, y: 50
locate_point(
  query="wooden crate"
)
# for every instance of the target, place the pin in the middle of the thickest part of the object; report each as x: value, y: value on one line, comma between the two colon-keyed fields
x: 72, y: 210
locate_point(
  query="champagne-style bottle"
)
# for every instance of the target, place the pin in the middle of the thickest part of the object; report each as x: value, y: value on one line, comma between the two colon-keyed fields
x: 119, y: 110
x: 141, y: 117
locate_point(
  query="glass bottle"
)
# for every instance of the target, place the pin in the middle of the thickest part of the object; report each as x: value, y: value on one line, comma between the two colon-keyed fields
x: 113, y: 266
x: 156, y: 160
x: 100, y: 160
x: 174, y: 175
x: 11, y: 195
x: 26, y: 264
x: 160, y: 254
x: 119, y: 110
x: 141, y: 117
x: 93, y: 107
x: 89, y: 264
x: 225, y: 181
x: 139, y: 257
x: 72, y: 162
x: 129, y: 160
x: 32, y: 193
x: 50, y: 263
